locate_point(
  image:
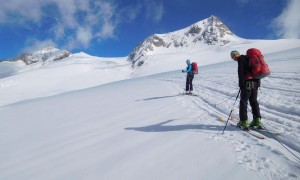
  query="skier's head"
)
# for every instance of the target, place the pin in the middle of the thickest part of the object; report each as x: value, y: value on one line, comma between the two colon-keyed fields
x: 188, y: 61
x: 234, y: 55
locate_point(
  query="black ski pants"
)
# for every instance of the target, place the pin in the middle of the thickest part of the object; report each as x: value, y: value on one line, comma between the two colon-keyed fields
x: 189, y: 82
x: 249, y: 94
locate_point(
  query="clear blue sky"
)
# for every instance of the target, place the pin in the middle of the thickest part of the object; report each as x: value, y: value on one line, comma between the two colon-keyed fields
x: 112, y: 28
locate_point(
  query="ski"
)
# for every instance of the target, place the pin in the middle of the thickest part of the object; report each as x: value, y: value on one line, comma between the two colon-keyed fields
x: 253, y: 133
x: 264, y: 131
x: 189, y: 94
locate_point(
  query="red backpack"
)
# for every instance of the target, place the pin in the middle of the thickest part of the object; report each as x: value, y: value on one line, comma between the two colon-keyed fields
x: 258, y: 66
x: 195, y: 67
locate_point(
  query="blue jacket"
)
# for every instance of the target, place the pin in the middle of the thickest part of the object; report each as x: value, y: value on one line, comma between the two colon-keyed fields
x: 188, y: 69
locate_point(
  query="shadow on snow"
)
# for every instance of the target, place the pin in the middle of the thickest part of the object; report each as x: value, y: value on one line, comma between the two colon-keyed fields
x: 162, y: 127
x: 161, y: 97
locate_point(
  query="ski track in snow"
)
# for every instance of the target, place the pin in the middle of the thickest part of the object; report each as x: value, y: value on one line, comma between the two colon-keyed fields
x: 279, y: 97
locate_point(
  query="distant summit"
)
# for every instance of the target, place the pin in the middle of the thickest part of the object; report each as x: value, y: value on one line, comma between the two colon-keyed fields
x: 44, y: 55
x: 210, y: 31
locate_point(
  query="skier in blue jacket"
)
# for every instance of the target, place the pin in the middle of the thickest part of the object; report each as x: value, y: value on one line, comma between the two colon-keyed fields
x: 189, y: 77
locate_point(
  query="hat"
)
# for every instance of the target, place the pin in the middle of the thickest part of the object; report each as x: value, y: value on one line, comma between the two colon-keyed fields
x: 188, y: 61
x: 234, y: 52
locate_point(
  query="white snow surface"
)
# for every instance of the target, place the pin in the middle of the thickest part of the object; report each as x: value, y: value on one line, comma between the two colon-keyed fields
x: 87, y: 117
x: 77, y: 72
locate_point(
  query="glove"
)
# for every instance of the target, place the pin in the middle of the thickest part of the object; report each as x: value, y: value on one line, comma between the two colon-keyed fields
x: 182, y: 71
x: 241, y: 84
x: 258, y: 83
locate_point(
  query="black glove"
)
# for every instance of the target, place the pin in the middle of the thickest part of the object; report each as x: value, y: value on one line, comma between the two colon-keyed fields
x: 182, y: 71
x: 241, y: 84
x: 258, y: 83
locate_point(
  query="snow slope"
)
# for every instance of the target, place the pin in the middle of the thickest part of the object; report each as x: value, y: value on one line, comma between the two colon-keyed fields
x: 206, y: 55
x: 144, y: 128
x: 77, y: 72
x: 19, y: 82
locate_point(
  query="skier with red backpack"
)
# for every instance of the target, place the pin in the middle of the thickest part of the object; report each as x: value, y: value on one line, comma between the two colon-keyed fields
x: 191, y: 70
x: 251, y: 69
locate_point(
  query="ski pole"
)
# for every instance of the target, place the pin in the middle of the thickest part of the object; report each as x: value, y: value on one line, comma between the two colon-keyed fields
x: 231, y: 111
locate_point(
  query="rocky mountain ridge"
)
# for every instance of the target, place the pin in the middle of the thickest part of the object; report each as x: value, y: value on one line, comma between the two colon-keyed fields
x: 210, y: 31
x: 44, y: 55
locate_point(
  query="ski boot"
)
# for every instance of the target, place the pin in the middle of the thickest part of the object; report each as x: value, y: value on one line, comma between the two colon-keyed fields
x: 257, y: 123
x: 188, y: 92
x: 243, y: 125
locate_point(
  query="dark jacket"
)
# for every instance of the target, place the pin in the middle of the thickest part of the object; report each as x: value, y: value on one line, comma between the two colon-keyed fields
x: 243, y: 70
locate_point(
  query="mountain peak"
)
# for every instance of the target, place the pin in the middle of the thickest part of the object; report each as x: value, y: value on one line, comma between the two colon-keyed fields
x: 50, y: 48
x: 214, y: 18
x: 210, y: 31
x: 215, y: 29
x: 46, y: 54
